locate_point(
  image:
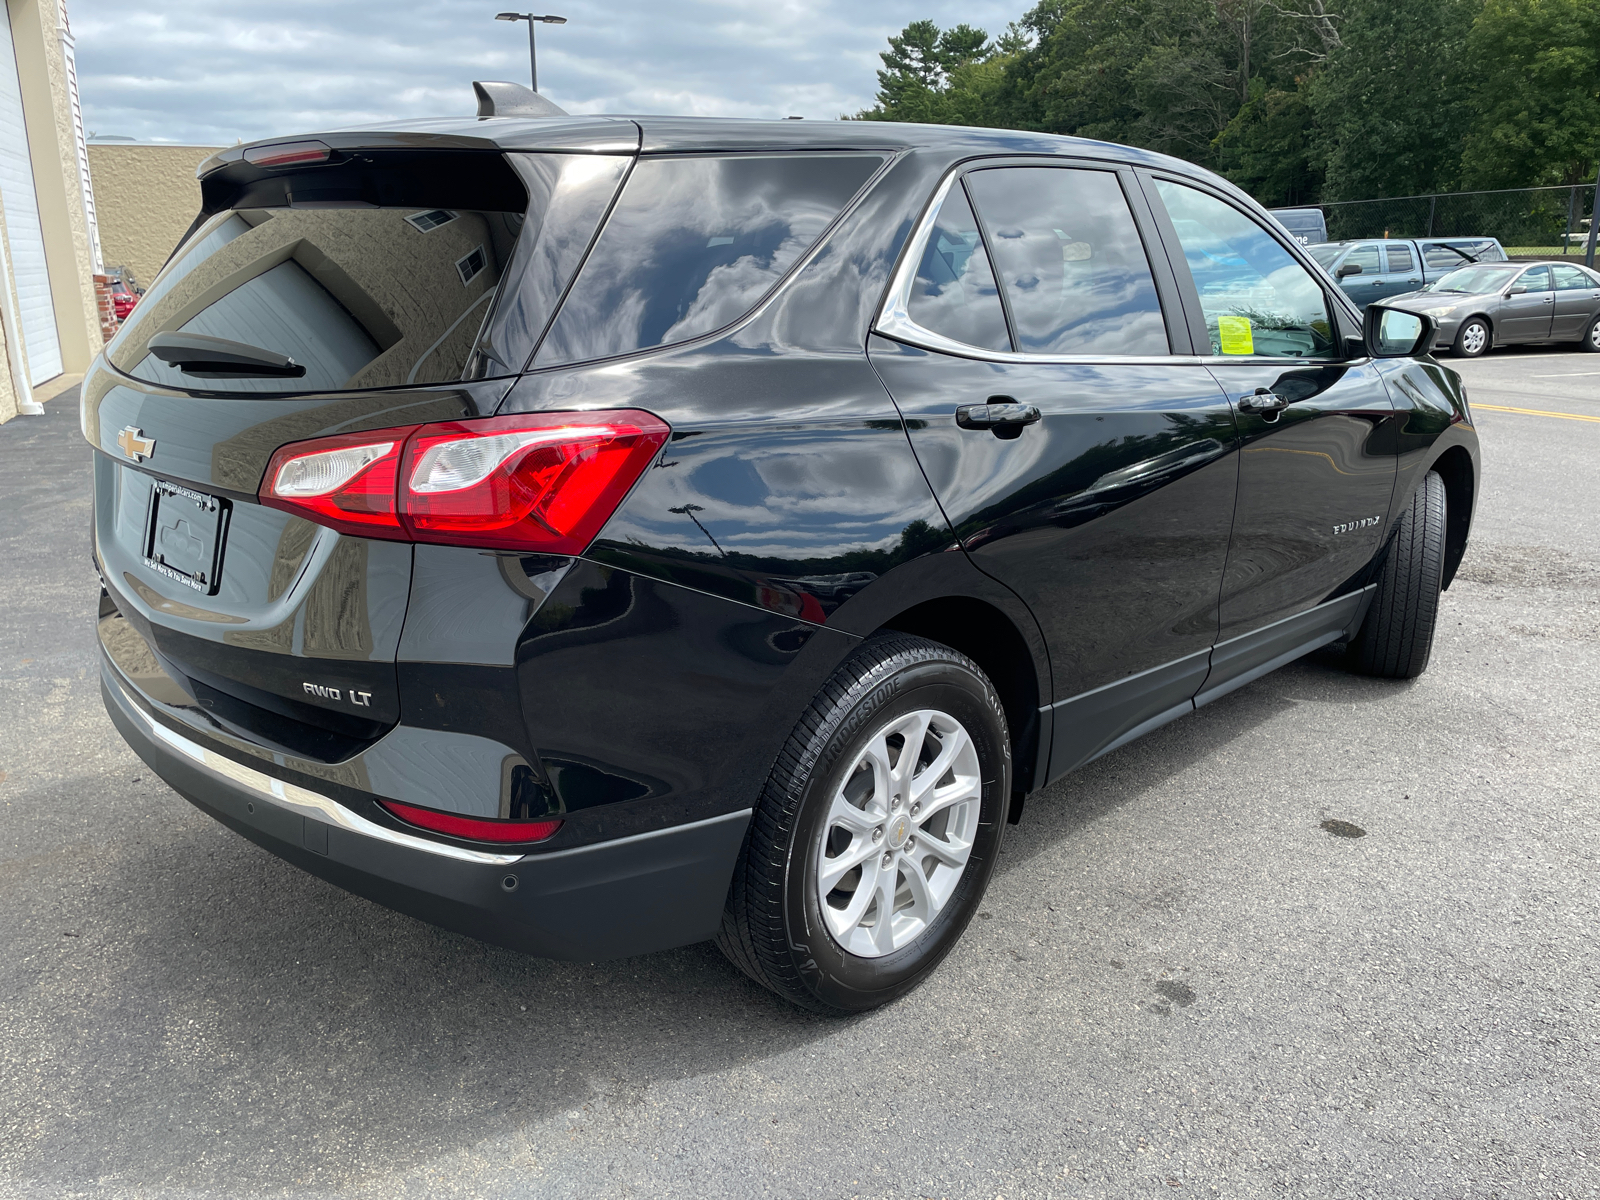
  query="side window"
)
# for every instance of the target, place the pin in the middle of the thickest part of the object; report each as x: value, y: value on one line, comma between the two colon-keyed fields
x: 1570, y: 279
x: 1070, y: 260
x: 1255, y: 297
x: 954, y: 294
x: 1364, y: 256
x: 1536, y: 279
x: 695, y: 243
x: 1399, y: 258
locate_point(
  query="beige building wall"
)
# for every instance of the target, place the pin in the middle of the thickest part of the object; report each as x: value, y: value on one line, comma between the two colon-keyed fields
x: 146, y: 197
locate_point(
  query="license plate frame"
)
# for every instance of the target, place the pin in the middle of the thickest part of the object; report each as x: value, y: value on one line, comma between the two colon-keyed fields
x: 185, y: 536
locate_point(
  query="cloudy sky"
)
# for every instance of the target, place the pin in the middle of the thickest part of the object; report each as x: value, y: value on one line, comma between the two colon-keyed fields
x: 212, y: 72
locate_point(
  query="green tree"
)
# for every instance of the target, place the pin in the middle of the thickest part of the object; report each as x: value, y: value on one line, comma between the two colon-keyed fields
x: 1534, y: 68
x: 1294, y: 102
x: 936, y: 76
x: 1169, y: 75
x: 1270, y: 147
x: 1391, y: 101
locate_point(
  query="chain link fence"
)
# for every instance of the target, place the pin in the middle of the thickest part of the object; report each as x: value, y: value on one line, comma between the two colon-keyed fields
x: 1545, y: 220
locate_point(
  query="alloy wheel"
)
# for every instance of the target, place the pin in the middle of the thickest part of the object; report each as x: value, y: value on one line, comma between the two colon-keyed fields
x: 899, y: 830
x: 1473, y: 338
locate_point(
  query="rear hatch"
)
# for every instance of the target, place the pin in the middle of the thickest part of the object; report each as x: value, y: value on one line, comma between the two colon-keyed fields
x: 324, y: 290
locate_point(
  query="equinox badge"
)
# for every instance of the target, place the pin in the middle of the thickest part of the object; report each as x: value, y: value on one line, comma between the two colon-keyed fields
x: 134, y: 444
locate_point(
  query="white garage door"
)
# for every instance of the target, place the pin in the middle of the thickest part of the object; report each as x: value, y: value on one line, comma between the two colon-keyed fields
x: 22, y: 221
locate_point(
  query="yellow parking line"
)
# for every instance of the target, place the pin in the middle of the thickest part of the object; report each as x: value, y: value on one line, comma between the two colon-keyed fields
x: 1536, y: 412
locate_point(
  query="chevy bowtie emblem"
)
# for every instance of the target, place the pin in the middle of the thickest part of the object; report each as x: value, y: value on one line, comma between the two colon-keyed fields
x: 135, y: 445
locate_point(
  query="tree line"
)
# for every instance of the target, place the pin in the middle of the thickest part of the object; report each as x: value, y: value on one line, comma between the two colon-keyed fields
x: 1293, y: 101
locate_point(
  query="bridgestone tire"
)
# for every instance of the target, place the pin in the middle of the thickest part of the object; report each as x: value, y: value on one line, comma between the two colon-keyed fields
x: 773, y: 927
x: 1396, y: 637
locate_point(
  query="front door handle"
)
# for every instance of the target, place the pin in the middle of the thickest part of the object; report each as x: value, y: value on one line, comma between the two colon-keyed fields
x: 996, y: 416
x: 1262, y: 401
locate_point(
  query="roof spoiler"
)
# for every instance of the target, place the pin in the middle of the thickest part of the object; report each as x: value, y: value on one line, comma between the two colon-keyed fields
x: 512, y: 100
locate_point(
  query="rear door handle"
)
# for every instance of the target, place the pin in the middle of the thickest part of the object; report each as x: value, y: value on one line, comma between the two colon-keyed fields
x: 1262, y: 401
x: 996, y: 416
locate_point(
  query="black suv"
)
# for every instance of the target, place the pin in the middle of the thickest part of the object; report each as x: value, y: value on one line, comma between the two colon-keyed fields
x: 602, y: 534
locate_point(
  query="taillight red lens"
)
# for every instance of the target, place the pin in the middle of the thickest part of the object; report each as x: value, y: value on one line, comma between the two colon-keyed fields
x: 475, y: 828
x: 347, y: 482
x: 542, y: 482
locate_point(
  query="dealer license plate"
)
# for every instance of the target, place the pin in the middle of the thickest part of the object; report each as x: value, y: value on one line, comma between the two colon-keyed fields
x: 185, y: 536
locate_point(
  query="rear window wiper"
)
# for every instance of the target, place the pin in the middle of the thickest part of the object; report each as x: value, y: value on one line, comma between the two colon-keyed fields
x: 219, y: 358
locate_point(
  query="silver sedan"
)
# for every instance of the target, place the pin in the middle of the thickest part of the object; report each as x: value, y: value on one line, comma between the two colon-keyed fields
x: 1496, y: 304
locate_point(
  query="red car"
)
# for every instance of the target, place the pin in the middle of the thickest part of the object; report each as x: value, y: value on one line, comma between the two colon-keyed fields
x: 123, y: 298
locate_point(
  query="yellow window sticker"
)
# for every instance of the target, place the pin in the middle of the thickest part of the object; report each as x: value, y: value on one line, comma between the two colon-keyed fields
x: 1235, y: 335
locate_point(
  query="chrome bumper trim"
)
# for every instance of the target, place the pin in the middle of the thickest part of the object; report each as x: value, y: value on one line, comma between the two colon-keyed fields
x: 294, y: 798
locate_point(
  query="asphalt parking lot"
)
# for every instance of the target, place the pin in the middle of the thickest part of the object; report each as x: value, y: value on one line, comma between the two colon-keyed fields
x: 1180, y: 983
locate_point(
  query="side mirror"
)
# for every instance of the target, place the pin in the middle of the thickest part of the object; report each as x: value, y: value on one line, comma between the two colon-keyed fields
x: 1516, y: 289
x: 1349, y: 269
x: 1395, y: 333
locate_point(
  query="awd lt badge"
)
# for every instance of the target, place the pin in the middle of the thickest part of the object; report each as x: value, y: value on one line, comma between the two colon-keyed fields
x: 134, y: 444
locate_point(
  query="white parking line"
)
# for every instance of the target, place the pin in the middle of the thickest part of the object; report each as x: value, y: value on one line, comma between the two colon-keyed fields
x: 1565, y: 375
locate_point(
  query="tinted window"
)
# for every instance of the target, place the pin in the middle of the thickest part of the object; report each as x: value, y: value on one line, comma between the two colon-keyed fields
x: 1327, y: 253
x: 1364, y: 256
x: 1400, y: 259
x: 954, y: 293
x: 1570, y: 279
x: 1256, y: 298
x: 1536, y: 279
x: 694, y: 244
x: 363, y: 293
x: 1070, y: 260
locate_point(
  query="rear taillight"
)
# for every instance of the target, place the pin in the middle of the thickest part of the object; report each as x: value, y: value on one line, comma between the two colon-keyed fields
x: 543, y: 482
x: 348, y: 482
x: 475, y: 828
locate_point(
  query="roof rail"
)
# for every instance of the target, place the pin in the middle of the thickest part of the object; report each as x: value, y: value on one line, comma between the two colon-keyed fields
x: 512, y: 100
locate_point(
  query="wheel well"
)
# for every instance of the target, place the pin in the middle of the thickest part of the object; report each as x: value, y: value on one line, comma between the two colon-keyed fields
x: 987, y: 636
x: 1455, y: 468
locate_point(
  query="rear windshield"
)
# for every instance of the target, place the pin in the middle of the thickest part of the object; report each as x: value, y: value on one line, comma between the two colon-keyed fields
x: 695, y: 243
x: 402, y: 288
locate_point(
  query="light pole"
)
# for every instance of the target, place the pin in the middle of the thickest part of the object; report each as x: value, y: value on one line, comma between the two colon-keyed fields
x: 532, y: 20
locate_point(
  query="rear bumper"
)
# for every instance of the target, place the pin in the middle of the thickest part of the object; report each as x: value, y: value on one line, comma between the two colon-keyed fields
x: 629, y: 896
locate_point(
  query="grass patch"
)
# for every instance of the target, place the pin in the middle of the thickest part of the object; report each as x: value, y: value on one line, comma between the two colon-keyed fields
x: 1545, y: 251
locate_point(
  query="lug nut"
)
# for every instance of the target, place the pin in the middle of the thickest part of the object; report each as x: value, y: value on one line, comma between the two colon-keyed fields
x: 911, y: 844
x: 877, y: 834
x: 915, y: 809
x: 888, y: 859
